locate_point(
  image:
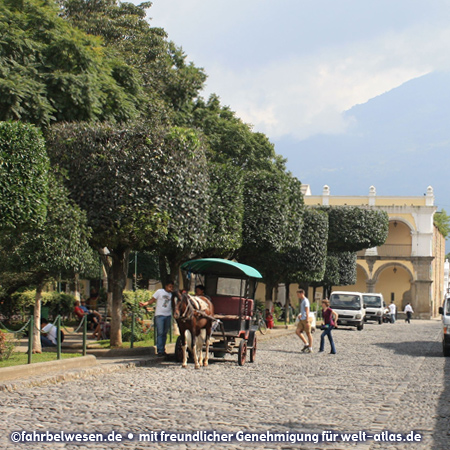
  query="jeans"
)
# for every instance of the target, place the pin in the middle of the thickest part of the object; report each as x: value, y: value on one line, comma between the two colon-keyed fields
x: 162, y: 328
x: 327, y: 332
x: 46, y: 342
x: 408, y: 317
x: 392, y: 318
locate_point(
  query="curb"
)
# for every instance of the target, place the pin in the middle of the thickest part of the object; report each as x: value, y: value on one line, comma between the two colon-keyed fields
x: 73, y: 374
x: 27, y: 370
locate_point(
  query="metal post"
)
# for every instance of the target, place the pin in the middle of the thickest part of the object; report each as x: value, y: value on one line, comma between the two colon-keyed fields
x: 58, y: 337
x: 30, y: 338
x: 135, y: 271
x: 133, y: 319
x: 84, y: 335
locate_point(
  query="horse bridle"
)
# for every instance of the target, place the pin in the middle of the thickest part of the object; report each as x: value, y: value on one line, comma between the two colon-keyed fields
x: 189, y: 309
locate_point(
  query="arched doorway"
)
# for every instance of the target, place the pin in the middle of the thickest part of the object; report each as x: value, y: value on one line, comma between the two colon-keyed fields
x: 394, y: 281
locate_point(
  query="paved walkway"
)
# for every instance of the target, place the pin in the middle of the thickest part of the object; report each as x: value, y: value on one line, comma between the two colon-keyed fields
x: 389, y: 381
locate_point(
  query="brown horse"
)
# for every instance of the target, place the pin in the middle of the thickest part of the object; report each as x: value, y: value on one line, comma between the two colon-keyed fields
x: 194, y: 316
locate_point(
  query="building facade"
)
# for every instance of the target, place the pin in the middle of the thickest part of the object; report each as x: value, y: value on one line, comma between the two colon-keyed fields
x: 409, y: 267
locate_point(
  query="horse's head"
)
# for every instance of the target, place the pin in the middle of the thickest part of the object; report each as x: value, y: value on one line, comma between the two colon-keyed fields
x: 179, y: 304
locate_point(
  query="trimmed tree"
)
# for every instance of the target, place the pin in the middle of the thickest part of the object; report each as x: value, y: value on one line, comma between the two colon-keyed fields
x: 23, y: 176
x: 60, y: 244
x: 123, y: 179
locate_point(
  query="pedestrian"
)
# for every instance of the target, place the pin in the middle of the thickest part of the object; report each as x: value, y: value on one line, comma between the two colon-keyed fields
x: 304, y: 324
x: 163, y: 314
x: 392, y: 311
x: 409, y: 312
x: 48, y: 333
x: 330, y: 319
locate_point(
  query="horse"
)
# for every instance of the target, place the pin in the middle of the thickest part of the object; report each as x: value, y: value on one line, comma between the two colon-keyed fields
x: 194, y: 316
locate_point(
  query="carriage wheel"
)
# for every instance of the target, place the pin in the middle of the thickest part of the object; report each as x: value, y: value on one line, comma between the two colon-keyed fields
x: 253, y: 351
x: 179, y: 350
x: 242, y: 352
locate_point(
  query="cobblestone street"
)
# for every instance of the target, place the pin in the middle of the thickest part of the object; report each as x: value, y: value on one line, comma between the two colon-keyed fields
x: 387, y: 377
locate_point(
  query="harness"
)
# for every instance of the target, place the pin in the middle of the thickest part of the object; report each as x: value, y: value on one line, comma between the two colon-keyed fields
x: 194, y: 307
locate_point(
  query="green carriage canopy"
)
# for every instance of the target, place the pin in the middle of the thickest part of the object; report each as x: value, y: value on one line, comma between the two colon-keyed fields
x: 220, y: 267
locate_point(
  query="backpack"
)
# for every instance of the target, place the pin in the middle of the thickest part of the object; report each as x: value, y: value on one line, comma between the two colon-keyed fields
x: 61, y: 335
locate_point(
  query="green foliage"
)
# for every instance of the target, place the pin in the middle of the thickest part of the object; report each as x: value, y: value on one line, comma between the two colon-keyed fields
x: 50, y: 70
x: 23, y: 176
x: 6, y: 346
x: 103, y: 164
x: 442, y: 222
x: 23, y: 301
x: 352, y: 228
x: 313, y: 253
x: 225, y: 212
x: 147, y: 267
x: 59, y: 304
x: 331, y: 276
x: 132, y: 298
x: 169, y: 83
x: 139, y: 334
x: 59, y: 246
x: 186, y: 195
x: 265, y: 213
x: 231, y: 140
x: 347, y: 268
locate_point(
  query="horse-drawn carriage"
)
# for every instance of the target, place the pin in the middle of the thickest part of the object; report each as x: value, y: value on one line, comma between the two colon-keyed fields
x: 231, y: 288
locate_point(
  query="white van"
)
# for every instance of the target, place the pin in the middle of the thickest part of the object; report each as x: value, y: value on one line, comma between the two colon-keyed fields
x: 350, y: 308
x: 375, y: 307
x: 445, y: 311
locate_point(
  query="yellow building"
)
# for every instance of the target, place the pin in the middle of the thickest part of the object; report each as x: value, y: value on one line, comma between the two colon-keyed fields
x: 409, y: 267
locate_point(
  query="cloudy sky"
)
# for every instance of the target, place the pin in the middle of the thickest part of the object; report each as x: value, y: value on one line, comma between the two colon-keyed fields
x: 292, y: 67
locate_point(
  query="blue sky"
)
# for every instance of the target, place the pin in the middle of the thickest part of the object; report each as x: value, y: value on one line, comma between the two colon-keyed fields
x: 292, y: 67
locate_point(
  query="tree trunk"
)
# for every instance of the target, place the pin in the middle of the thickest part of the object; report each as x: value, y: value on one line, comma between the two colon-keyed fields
x: 287, y: 302
x: 269, y: 295
x: 117, y: 279
x: 37, y: 319
x: 163, y: 269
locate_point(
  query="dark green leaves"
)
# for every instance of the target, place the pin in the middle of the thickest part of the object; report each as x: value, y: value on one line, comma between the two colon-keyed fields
x: 23, y: 176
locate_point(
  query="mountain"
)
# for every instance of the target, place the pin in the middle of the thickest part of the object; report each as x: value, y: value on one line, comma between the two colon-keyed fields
x: 399, y: 142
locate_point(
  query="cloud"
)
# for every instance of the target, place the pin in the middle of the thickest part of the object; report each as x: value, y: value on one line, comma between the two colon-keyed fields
x: 293, y: 68
x: 303, y: 96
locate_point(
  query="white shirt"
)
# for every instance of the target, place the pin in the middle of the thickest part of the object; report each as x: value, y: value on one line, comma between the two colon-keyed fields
x: 303, y: 306
x: 51, y: 332
x: 163, y: 302
x: 392, y: 308
x: 408, y: 308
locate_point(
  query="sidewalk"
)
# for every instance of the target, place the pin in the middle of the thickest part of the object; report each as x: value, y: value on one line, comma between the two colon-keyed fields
x: 98, y: 361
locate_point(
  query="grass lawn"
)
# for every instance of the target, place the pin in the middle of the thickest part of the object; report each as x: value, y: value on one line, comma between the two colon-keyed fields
x: 17, y: 359
x: 150, y: 342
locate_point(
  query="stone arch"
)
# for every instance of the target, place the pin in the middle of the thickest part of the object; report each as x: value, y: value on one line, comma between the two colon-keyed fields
x: 395, y: 281
x: 385, y: 266
x: 363, y: 270
x: 393, y: 219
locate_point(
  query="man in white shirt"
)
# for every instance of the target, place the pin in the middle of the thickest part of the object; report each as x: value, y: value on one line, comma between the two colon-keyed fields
x: 48, y: 334
x: 304, y: 325
x: 408, y: 311
x: 392, y: 310
x: 163, y: 315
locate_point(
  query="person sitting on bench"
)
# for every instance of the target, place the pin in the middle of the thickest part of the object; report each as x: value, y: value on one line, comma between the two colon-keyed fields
x: 94, y: 319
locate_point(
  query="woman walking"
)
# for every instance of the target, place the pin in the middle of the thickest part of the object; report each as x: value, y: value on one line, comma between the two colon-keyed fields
x: 330, y: 319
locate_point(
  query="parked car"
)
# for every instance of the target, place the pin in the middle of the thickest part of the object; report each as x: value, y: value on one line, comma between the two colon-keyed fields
x: 445, y: 311
x: 350, y: 308
x: 375, y: 307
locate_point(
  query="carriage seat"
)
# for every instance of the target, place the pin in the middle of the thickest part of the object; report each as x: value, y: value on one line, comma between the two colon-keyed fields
x: 229, y: 307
